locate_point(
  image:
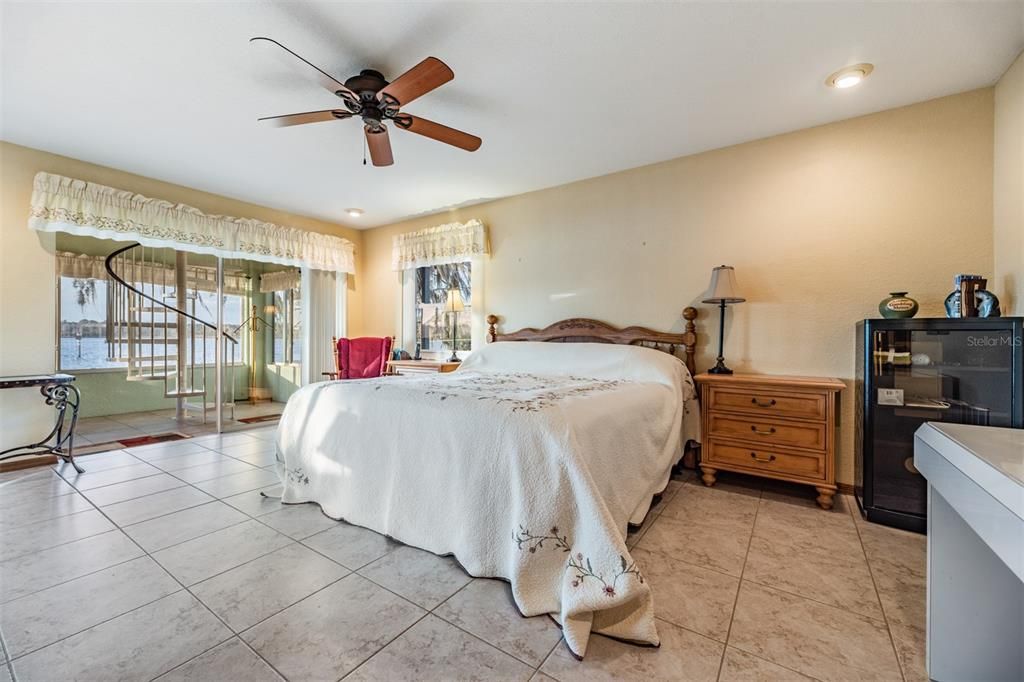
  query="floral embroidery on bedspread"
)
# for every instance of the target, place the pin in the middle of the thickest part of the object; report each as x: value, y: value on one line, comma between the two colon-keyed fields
x: 297, y: 475
x: 521, y: 391
x: 578, y: 563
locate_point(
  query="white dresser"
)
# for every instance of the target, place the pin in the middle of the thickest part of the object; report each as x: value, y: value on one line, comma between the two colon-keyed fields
x: 975, y: 550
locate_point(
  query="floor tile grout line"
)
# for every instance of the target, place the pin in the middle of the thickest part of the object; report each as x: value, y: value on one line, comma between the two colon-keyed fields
x: 477, y: 637
x: 784, y: 667
x: 219, y: 644
x: 739, y: 585
x: 878, y: 596
x: 92, y: 502
x: 175, y: 578
x: 84, y: 575
x: 388, y: 643
x: 845, y: 609
x: 105, y: 620
x: 60, y: 544
x: 548, y: 655
x: 201, y: 535
x: 444, y: 601
x: 83, y: 491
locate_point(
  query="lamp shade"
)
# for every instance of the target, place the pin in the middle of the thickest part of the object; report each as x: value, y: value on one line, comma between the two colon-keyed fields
x: 454, y: 302
x: 723, y: 287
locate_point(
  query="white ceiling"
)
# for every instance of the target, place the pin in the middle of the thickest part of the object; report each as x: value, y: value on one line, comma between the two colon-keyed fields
x: 558, y: 92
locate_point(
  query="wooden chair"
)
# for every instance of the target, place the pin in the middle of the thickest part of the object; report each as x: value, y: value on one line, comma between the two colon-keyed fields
x: 365, y: 357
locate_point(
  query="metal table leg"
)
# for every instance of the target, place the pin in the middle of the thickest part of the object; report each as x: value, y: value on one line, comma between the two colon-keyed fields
x: 60, y: 396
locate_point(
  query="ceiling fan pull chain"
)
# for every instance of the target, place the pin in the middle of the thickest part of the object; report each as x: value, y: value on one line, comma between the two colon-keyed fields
x: 364, y: 150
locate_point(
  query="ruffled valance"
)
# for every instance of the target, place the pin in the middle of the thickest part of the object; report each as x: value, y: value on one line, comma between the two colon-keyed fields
x: 279, y: 281
x: 61, y: 204
x: 80, y: 266
x: 450, y: 243
x: 200, y: 277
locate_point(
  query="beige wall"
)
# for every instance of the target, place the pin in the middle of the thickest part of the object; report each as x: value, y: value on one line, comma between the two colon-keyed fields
x: 820, y: 224
x: 1009, y: 189
x: 27, y: 285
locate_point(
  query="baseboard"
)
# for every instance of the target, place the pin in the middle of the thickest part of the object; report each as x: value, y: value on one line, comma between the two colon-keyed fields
x: 845, y: 488
x: 29, y: 462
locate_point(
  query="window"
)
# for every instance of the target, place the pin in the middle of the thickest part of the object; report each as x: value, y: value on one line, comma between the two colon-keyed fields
x: 93, y: 333
x: 83, y: 325
x: 439, y: 328
x: 288, y: 325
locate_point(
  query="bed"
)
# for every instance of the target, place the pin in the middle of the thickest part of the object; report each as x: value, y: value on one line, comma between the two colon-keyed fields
x: 527, y: 464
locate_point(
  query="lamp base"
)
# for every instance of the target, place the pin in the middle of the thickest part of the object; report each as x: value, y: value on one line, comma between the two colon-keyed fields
x: 720, y: 368
x: 453, y: 358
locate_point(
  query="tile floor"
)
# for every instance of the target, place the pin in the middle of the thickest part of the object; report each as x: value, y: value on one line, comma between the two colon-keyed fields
x: 92, y: 430
x: 163, y: 562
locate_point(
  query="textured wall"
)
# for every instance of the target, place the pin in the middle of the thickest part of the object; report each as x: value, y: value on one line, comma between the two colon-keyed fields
x: 820, y: 224
x: 1009, y: 189
x: 27, y: 284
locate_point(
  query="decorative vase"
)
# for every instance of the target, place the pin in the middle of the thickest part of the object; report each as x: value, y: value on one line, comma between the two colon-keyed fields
x: 898, y: 306
x: 971, y: 299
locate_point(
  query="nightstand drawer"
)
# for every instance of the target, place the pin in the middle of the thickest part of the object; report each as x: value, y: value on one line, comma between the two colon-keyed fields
x: 807, y: 465
x: 768, y: 402
x: 769, y: 431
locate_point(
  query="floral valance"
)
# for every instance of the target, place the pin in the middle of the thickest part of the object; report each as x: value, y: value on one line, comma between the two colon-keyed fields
x: 61, y: 204
x: 279, y: 281
x: 450, y: 243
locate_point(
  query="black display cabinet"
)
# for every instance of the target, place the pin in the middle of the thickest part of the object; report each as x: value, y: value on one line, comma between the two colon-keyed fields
x: 963, y: 371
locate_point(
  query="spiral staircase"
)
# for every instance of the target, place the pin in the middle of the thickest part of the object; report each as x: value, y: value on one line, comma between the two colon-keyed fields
x: 153, y: 328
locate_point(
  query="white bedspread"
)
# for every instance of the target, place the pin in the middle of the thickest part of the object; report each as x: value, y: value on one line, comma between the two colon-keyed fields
x: 525, y: 464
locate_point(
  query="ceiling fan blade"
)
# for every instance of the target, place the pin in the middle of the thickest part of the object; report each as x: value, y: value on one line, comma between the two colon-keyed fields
x: 305, y: 117
x: 419, y: 80
x: 436, y: 131
x: 308, y: 70
x: 380, y: 146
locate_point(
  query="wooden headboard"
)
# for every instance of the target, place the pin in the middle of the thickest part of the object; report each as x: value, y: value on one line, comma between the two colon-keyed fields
x: 583, y: 330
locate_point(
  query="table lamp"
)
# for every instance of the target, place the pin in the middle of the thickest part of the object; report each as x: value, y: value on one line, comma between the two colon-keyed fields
x: 455, y: 305
x: 723, y: 292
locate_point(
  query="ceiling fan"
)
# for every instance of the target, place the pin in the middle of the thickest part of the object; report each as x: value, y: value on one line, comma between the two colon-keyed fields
x: 371, y: 97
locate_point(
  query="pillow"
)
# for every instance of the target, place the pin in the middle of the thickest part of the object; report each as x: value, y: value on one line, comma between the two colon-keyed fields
x: 593, y: 360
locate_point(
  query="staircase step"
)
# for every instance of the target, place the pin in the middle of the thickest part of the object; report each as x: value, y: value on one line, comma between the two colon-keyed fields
x: 147, y: 377
x: 206, y: 405
x: 184, y: 393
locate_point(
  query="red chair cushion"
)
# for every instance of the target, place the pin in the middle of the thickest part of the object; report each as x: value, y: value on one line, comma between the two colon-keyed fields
x: 365, y: 357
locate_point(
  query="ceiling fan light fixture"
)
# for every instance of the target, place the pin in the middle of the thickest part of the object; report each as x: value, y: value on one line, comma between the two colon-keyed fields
x: 849, y: 76
x: 354, y: 212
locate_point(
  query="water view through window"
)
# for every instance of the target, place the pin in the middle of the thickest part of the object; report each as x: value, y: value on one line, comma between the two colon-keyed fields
x: 86, y: 339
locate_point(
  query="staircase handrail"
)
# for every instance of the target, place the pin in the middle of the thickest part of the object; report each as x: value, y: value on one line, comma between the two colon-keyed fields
x: 110, y: 271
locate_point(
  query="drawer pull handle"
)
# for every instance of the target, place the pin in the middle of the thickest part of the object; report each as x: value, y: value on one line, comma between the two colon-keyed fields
x: 759, y: 403
x: 762, y: 432
x: 771, y: 458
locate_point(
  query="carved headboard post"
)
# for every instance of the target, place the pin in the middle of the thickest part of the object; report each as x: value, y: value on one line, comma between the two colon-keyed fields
x: 492, y: 332
x: 690, y: 340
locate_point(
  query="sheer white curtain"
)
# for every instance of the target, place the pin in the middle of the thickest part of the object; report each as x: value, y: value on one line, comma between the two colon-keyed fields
x: 323, y: 310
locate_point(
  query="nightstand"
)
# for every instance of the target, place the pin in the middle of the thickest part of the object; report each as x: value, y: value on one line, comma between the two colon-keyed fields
x: 772, y: 426
x: 421, y: 366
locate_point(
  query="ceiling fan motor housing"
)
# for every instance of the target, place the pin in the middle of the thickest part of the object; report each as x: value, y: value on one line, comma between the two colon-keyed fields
x: 367, y: 84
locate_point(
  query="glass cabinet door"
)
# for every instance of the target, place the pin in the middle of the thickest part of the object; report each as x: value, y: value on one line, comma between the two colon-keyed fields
x: 962, y: 376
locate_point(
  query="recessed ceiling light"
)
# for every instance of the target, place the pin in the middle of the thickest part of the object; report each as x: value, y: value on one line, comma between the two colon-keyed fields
x: 850, y: 76
x: 354, y: 212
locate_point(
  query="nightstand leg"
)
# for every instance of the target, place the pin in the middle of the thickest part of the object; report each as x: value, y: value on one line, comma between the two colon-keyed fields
x: 825, y: 495
x: 708, y: 475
